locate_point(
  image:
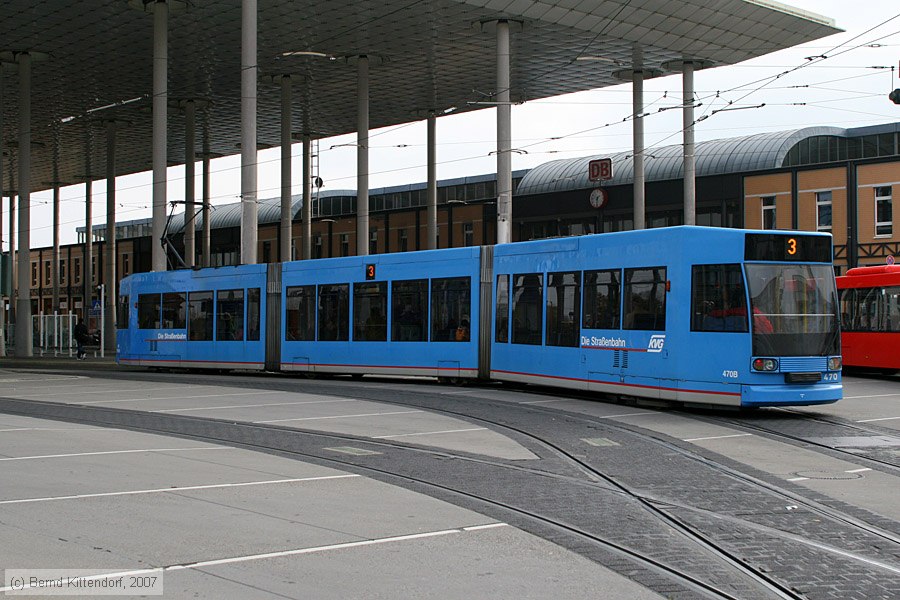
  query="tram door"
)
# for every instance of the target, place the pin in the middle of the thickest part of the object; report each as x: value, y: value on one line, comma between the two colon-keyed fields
x: 273, y: 317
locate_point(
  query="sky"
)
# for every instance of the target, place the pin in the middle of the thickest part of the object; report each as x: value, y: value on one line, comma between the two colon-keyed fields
x: 840, y: 81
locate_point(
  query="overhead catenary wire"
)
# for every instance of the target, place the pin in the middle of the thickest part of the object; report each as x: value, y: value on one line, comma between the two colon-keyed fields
x: 710, y: 105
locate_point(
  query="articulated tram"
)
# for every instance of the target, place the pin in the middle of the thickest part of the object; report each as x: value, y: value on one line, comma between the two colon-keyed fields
x: 692, y: 315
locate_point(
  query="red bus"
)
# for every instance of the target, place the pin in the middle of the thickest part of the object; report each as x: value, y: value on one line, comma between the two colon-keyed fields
x: 870, y: 318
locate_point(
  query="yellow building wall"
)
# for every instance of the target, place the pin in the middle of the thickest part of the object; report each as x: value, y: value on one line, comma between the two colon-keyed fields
x: 822, y: 180
x: 869, y: 177
x: 758, y: 186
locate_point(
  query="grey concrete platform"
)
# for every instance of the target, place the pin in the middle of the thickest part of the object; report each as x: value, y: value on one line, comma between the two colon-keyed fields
x: 284, y: 512
x: 297, y: 409
x: 221, y: 522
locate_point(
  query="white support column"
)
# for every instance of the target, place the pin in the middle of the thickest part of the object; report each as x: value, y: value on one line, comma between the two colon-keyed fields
x: 110, y: 280
x: 287, y: 226
x: 307, y: 197
x: 55, y: 266
x: 87, y: 271
x: 190, y: 210
x: 249, y: 72
x: 431, y: 195
x: 637, y: 128
x: 207, y: 226
x: 13, y: 267
x: 362, y: 156
x: 690, y: 202
x: 24, y: 338
x: 504, y: 137
x: 160, y: 134
x: 2, y: 289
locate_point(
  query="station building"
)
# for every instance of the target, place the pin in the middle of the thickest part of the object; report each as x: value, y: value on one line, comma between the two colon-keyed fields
x: 831, y: 179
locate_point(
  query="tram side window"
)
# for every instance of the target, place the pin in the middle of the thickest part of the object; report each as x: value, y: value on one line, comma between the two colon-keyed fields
x: 451, y: 301
x: 563, y: 309
x: 409, y: 314
x: 892, y: 309
x: 253, y: 309
x: 334, y: 312
x: 148, y: 311
x: 866, y: 310
x: 200, y: 316
x: 370, y: 311
x: 300, y: 314
x: 123, y: 312
x: 502, y: 331
x: 229, y: 315
x: 645, y: 299
x: 602, y: 294
x: 527, y: 308
x: 848, y: 303
x: 871, y: 309
x: 718, y: 298
x: 173, y: 306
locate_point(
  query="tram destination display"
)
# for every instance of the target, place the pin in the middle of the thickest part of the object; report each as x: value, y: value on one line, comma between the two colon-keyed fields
x: 787, y: 247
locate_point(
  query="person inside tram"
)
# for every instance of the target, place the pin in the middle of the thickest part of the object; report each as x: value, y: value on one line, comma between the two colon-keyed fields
x: 462, y: 332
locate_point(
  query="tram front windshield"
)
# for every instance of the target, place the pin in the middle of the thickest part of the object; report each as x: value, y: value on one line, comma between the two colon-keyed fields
x: 795, y: 310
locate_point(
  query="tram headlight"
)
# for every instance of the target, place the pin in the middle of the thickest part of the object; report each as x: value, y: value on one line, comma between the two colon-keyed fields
x: 835, y: 363
x: 765, y: 364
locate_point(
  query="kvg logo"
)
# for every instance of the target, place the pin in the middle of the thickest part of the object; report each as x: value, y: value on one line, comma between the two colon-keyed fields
x: 656, y: 343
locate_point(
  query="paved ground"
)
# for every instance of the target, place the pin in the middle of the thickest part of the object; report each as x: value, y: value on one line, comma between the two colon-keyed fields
x: 251, y: 525
x: 278, y: 526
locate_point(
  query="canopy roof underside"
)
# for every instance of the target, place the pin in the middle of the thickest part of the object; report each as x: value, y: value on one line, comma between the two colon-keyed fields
x: 425, y: 55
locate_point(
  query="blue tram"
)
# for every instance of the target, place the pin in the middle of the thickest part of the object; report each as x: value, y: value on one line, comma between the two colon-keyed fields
x: 692, y: 315
x: 211, y: 318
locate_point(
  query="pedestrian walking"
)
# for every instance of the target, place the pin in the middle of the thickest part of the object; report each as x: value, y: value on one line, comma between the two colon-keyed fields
x: 81, y: 338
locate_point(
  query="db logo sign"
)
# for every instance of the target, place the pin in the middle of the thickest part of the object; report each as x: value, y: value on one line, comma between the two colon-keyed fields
x: 656, y: 343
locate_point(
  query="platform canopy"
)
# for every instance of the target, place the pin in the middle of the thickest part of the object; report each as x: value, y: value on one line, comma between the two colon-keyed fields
x: 424, y: 55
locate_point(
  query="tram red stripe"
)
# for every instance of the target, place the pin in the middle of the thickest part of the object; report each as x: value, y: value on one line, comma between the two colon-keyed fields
x: 613, y: 348
x: 635, y: 385
x: 173, y: 360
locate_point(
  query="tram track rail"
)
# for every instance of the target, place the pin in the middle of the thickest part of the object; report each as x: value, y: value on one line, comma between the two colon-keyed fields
x: 692, y: 584
x: 859, y: 456
x: 595, y: 478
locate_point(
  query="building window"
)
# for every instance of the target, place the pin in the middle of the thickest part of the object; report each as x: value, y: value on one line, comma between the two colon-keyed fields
x: 317, y: 246
x: 373, y: 241
x: 884, y: 223
x: 823, y: 211
x: 468, y: 234
x: 768, y: 212
x: 62, y: 272
x: 402, y: 240
x: 126, y: 268
x: 76, y: 270
x: 47, y: 272
x: 93, y: 269
x: 345, y: 244
x: 34, y: 274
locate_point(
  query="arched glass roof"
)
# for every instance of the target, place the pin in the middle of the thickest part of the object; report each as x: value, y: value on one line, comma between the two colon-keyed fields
x: 229, y: 215
x: 716, y: 157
